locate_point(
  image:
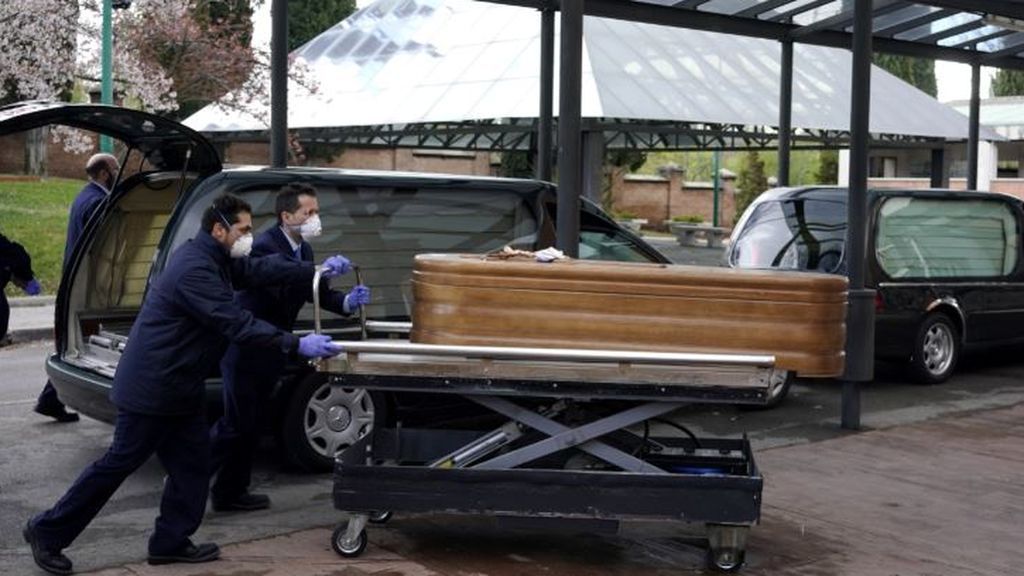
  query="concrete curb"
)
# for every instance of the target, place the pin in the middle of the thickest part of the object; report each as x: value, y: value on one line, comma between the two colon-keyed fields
x: 23, y: 335
x: 20, y: 301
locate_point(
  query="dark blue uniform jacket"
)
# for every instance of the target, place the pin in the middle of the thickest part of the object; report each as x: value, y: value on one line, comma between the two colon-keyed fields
x: 85, y: 204
x: 14, y: 262
x: 186, y: 321
x: 278, y: 304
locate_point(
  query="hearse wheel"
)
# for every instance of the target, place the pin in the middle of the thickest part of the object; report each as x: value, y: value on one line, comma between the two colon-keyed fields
x: 322, y: 420
x: 936, y: 349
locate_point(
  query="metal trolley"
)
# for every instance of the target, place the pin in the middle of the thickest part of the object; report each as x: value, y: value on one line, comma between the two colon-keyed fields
x: 574, y: 447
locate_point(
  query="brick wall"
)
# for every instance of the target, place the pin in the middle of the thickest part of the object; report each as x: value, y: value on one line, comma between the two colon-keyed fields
x: 59, y: 162
x: 659, y: 198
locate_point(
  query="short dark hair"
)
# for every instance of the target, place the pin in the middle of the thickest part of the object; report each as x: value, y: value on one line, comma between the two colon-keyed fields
x: 288, y: 198
x: 225, y: 209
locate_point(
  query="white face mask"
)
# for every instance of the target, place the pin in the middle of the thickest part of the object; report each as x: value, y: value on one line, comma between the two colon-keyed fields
x: 310, y: 228
x: 242, y: 247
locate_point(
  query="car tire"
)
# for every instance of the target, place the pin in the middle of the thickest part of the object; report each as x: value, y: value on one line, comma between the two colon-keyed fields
x: 322, y: 420
x: 936, y: 349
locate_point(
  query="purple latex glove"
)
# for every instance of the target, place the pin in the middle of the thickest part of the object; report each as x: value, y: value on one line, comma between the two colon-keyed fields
x: 32, y: 287
x: 335, y: 266
x: 358, y: 296
x: 318, y: 346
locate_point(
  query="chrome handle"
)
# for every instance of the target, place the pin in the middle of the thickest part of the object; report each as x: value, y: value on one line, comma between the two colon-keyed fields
x: 318, y: 270
x: 362, y: 309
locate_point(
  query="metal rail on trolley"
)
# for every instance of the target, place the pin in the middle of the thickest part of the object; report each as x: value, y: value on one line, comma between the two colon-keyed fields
x: 570, y: 447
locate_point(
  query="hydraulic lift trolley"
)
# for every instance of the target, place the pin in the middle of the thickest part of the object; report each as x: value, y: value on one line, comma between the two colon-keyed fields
x: 575, y: 445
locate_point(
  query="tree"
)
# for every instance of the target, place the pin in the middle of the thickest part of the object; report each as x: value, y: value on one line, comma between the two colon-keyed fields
x: 1008, y: 83
x: 183, y: 54
x: 752, y: 181
x: 828, y: 168
x: 308, y: 18
x: 37, y: 54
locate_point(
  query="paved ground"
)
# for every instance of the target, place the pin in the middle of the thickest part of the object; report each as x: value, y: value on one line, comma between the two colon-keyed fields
x: 936, y: 498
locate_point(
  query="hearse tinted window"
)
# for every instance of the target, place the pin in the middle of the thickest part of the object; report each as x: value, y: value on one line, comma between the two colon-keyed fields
x: 382, y: 228
x: 794, y: 234
x: 946, y: 238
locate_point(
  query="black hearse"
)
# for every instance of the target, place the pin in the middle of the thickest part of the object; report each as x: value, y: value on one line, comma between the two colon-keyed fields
x: 378, y: 219
x: 946, y: 264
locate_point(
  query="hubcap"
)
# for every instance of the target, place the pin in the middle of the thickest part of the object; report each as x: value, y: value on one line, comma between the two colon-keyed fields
x: 336, y: 417
x: 937, y: 351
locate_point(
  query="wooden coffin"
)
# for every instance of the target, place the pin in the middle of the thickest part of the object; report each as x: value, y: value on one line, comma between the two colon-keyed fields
x: 485, y: 301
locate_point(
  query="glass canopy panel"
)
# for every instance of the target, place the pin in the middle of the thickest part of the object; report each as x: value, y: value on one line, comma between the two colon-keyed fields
x: 786, y: 8
x: 729, y: 6
x: 938, y: 26
x: 817, y: 14
x: 969, y: 36
x: 1000, y: 44
x: 901, y: 16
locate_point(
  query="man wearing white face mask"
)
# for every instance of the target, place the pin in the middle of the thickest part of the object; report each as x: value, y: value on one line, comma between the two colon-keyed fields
x: 250, y: 373
x: 186, y: 320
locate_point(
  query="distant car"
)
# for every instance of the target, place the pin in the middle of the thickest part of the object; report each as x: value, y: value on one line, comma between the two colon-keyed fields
x: 378, y: 219
x: 946, y: 264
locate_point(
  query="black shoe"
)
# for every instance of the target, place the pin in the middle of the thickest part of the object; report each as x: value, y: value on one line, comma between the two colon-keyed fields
x: 46, y: 558
x: 190, y: 554
x: 245, y: 502
x: 56, y: 411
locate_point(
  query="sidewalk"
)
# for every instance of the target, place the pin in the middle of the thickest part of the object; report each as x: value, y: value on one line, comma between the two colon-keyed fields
x: 31, y: 318
x: 939, y: 497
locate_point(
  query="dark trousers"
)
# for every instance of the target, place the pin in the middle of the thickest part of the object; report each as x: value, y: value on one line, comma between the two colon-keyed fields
x: 182, y: 445
x: 48, y: 397
x: 248, y: 381
x: 5, y: 313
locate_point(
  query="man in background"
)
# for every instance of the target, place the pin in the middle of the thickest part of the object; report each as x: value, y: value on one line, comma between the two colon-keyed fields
x: 102, y: 170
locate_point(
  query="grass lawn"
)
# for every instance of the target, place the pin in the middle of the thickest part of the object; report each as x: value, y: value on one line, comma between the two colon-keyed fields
x: 35, y: 214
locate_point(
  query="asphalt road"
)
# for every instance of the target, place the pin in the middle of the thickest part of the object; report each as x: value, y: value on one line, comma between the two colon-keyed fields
x: 39, y: 459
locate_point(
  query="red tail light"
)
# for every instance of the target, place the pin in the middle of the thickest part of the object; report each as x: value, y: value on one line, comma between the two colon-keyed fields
x: 879, y: 303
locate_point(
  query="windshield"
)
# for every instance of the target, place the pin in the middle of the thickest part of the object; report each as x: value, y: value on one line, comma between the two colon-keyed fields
x: 793, y: 234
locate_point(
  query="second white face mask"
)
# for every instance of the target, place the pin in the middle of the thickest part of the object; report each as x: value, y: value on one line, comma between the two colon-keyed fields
x: 311, y: 228
x: 242, y: 247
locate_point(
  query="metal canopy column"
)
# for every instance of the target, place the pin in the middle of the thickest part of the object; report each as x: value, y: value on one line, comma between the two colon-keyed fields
x: 547, y: 84
x: 570, y: 170
x: 279, y: 84
x: 785, y: 111
x: 973, y: 127
x: 860, y: 322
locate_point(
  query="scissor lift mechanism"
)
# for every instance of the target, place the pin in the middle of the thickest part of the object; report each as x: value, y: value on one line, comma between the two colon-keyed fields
x: 559, y: 404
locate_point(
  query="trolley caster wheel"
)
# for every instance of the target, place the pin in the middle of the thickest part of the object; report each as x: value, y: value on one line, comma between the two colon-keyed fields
x: 346, y: 548
x: 380, y: 517
x: 727, y: 560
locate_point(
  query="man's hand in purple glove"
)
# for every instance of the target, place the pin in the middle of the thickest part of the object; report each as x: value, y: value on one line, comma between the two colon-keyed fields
x: 318, y: 346
x: 335, y: 266
x: 358, y: 296
x: 32, y: 287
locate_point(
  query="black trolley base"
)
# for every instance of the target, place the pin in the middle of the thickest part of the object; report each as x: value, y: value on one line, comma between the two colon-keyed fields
x: 555, y: 459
